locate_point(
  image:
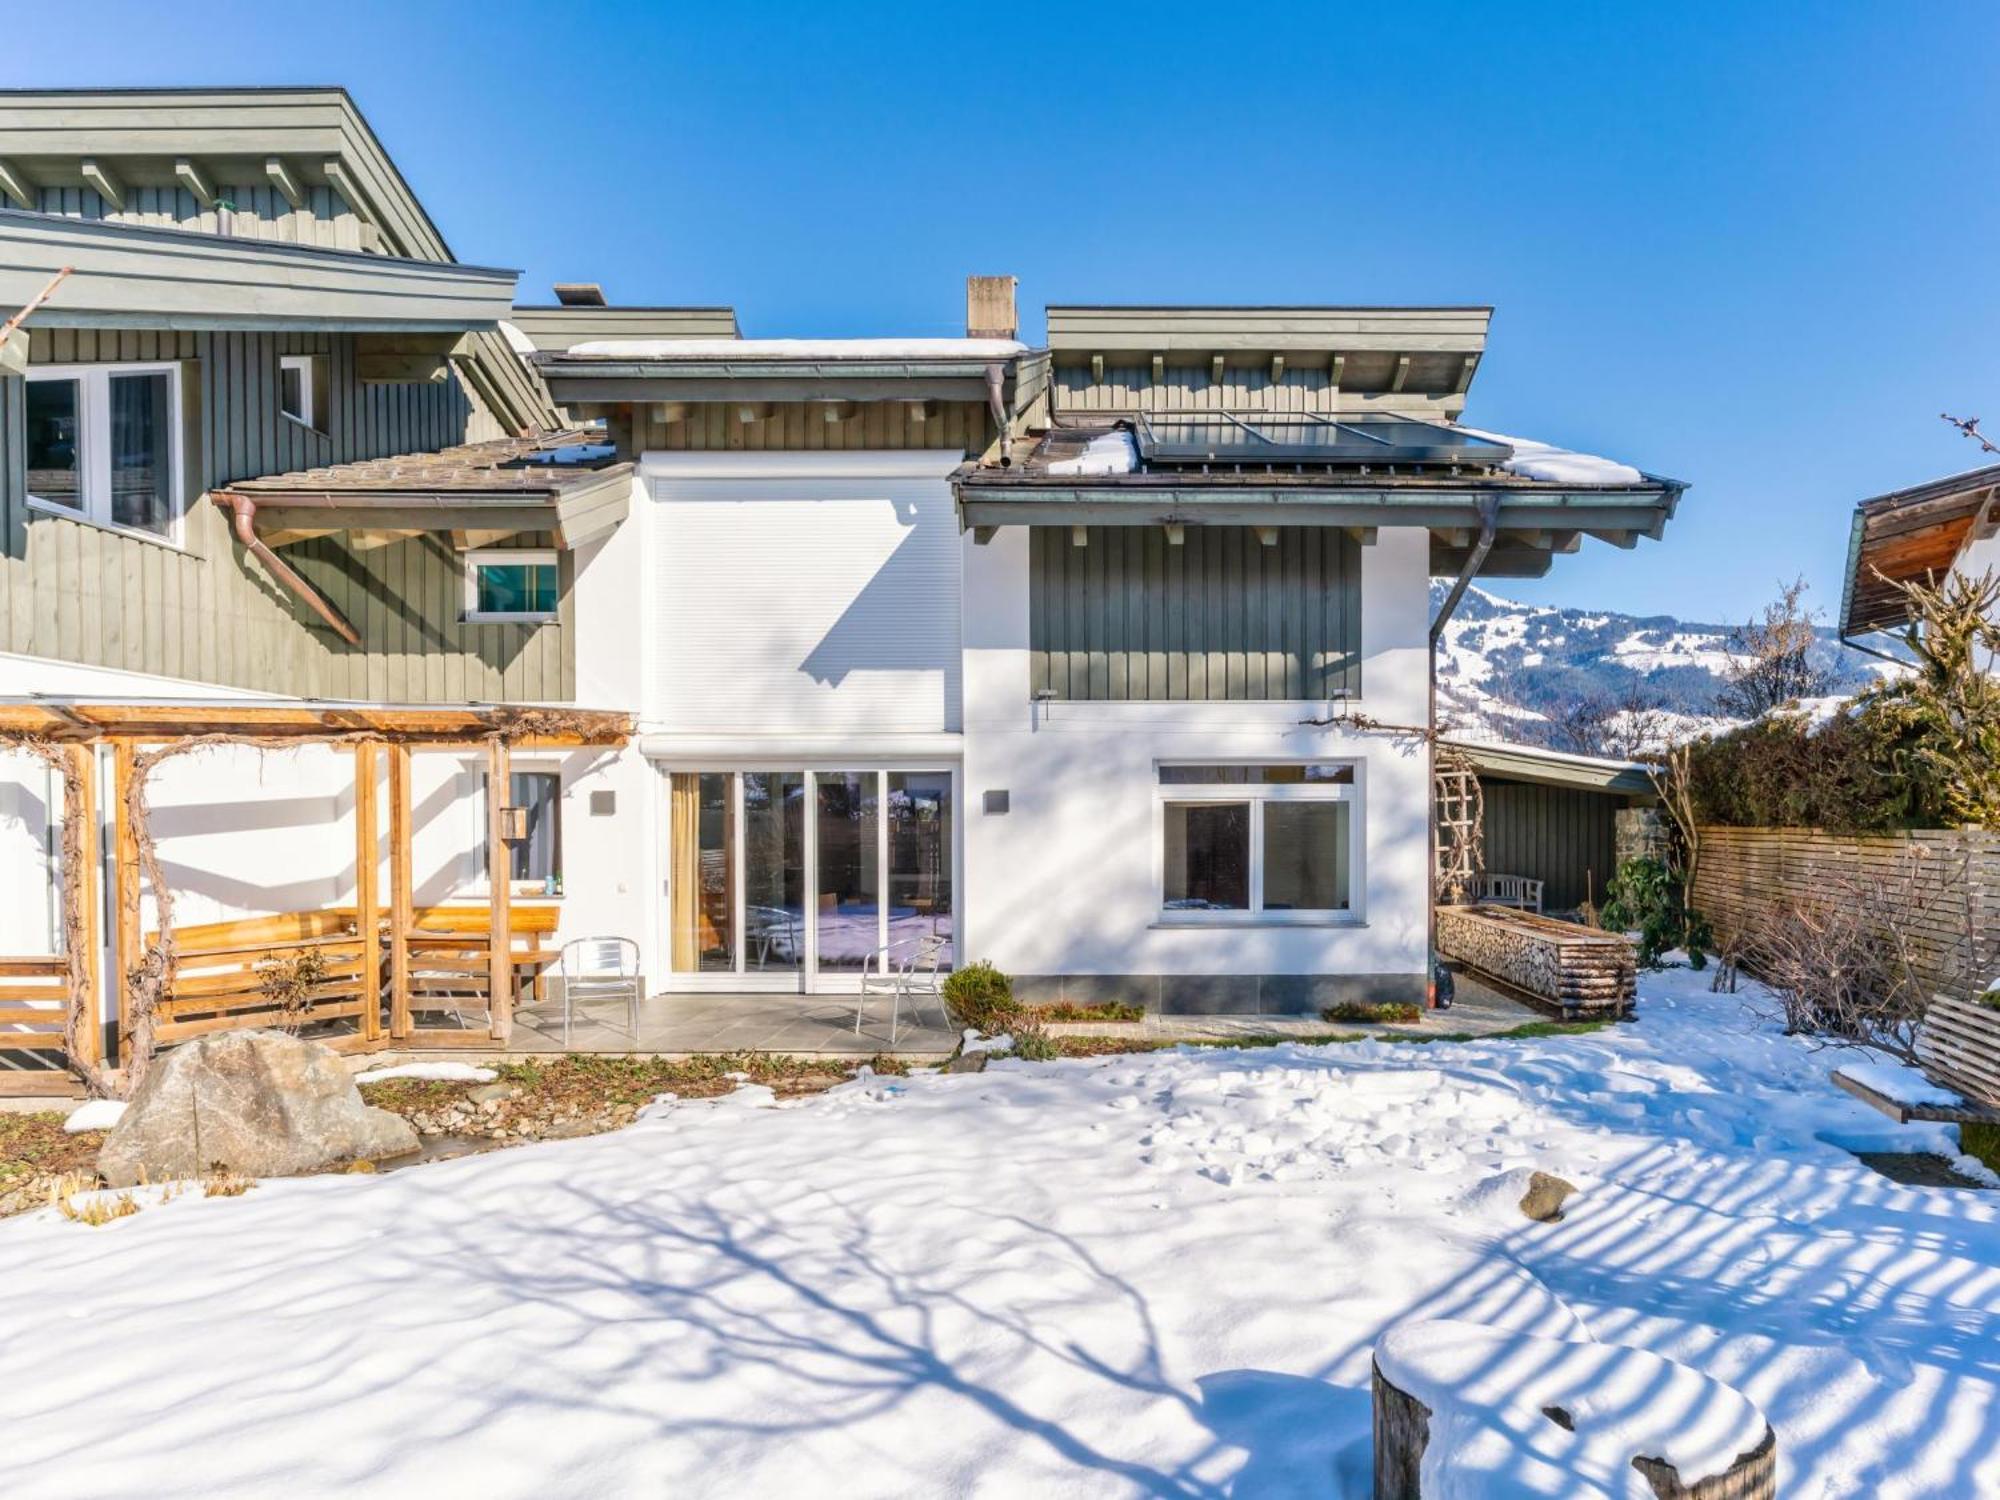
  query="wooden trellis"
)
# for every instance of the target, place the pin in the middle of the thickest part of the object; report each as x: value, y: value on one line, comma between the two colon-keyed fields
x: 1459, y: 855
x: 142, y: 735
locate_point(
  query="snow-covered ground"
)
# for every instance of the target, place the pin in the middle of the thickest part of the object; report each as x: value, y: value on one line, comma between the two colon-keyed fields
x: 1157, y: 1275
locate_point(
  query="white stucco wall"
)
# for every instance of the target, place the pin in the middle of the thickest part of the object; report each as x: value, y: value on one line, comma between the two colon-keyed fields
x: 1975, y: 561
x: 1066, y: 881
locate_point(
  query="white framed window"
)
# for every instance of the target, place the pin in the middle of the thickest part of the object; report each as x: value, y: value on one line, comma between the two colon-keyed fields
x: 297, y: 397
x: 507, y: 584
x: 104, y: 445
x: 1268, y: 842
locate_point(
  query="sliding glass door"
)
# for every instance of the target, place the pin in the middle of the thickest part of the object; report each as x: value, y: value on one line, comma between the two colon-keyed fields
x: 806, y: 879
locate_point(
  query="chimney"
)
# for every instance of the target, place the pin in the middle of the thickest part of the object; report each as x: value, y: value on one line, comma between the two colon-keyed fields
x: 989, y: 307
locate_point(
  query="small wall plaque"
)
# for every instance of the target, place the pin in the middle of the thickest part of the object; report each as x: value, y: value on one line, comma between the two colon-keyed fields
x: 994, y: 802
x: 603, y: 804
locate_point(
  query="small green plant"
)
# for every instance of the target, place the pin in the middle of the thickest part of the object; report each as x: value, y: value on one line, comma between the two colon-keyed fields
x: 980, y: 996
x: 1375, y: 1013
x: 1031, y: 1043
x: 1064, y: 1010
x: 1991, y: 999
x: 1645, y: 896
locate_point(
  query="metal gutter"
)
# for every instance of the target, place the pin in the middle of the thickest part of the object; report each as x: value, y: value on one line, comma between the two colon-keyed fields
x: 1489, y: 525
x: 243, y: 508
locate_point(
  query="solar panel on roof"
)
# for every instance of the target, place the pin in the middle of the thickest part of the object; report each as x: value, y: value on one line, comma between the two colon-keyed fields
x: 1305, y: 437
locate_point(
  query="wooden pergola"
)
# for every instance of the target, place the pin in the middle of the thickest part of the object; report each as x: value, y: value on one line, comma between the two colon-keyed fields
x: 65, y: 733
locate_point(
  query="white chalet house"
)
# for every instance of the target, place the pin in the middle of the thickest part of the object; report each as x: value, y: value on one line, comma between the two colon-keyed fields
x: 1109, y: 660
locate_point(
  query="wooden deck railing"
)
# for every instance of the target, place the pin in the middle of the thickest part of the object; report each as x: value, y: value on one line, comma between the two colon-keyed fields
x: 34, y: 992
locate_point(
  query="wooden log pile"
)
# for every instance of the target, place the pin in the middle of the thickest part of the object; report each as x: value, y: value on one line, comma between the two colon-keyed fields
x: 1959, y: 1047
x: 1574, y: 970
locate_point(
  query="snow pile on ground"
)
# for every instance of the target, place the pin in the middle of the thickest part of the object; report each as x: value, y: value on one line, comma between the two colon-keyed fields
x: 1533, y: 460
x: 434, y: 1072
x: 1108, y: 453
x: 1141, y: 1275
x: 94, y: 1114
x: 1493, y: 1396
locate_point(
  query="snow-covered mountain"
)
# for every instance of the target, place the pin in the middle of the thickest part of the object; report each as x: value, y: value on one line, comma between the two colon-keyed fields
x: 1591, y: 680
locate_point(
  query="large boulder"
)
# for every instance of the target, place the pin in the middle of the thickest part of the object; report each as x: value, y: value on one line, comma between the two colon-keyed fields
x: 259, y: 1103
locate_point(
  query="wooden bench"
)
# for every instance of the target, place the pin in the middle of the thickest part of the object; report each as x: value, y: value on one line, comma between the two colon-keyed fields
x: 222, y: 970
x: 34, y: 999
x: 1958, y: 1047
x: 448, y: 948
x: 1570, y: 969
x: 1522, y: 892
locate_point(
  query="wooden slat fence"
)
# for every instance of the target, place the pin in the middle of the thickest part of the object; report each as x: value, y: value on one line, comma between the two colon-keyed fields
x: 1938, y: 885
x: 221, y: 969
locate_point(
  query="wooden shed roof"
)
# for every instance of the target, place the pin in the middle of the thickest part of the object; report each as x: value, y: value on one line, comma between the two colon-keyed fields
x: 1910, y: 535
x: 1542, y: 766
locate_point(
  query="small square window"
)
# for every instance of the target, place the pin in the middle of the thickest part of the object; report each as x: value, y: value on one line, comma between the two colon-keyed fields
x: 295, y: 387
x: 512, y: 585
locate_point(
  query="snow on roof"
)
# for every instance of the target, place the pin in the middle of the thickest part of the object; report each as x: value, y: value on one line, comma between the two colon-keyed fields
x: 829, y: 349
x: 1491, y: 1394
x: 1108, y: 453
x: 1545, y: 461
x: 518, y: 341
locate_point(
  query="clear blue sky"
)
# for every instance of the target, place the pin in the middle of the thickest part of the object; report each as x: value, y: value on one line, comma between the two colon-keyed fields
x: 1749, y: 246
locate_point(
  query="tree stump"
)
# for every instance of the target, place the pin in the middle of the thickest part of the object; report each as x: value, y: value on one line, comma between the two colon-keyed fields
x: 1403, y: 1427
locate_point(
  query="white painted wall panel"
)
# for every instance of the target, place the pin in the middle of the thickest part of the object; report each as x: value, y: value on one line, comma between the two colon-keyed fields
x: 794, y: 600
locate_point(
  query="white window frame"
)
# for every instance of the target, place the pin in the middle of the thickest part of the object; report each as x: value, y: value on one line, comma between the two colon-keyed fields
x: 500, y: 556
x: 93, y: 426
x: 1256, y: 795
x: 303, y: 363
x: 472, y: 806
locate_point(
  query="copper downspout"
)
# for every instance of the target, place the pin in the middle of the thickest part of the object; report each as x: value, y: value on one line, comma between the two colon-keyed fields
x: 244, y: 509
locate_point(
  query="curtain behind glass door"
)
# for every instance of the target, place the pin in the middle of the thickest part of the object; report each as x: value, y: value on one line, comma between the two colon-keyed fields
x: 702, y: 873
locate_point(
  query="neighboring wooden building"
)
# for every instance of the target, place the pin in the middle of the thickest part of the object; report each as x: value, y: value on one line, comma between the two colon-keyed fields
x: 1552, y: 816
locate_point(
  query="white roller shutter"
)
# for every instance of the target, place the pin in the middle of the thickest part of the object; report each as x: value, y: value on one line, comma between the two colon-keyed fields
x: 803, y: 594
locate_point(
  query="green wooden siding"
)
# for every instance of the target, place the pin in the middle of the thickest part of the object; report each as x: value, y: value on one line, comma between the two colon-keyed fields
x: 1129, y: 615
x: 801, y: 426
x: 257, y: 211
x: 1561, y: 835
x: 205, y: 612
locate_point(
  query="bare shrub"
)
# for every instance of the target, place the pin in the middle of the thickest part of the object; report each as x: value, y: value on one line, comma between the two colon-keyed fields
x: 290, y: 984
x: 1771, y: 659
x: 1858, y: 964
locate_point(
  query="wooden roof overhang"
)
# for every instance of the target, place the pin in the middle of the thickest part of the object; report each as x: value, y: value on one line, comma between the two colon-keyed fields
x: 138, y: 276
x: 581, y: 382
x: 1909, y: 536
x: 479, y: 493
x: 557, y: 328
x: 1536, y: 520
x: 85, y: 720
x: 1532, y: 763
x: 205, y: 140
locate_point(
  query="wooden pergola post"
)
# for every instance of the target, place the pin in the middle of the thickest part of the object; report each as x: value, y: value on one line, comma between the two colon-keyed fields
x: 399, y: 890
x: 367, y: 914
x: 83, y: 766
x: 499, y: 878
x: 124, y: 891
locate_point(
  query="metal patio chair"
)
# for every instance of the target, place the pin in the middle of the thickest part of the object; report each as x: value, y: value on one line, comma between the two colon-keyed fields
x: 919, y: 974
x: 595, y: 969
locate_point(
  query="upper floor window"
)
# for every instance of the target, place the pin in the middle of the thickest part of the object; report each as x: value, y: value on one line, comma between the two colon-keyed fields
x: 297, y: 393
x: 511, y: 585
x: 103, y: 444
